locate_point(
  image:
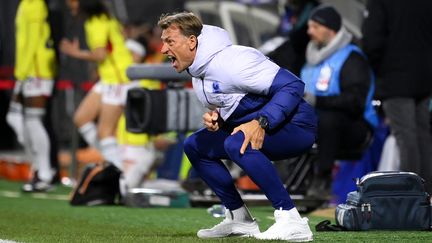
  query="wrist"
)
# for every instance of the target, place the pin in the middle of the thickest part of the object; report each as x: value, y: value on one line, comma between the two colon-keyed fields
x: 262, y: 122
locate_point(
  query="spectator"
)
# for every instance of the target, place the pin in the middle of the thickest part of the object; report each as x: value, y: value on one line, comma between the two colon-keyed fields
x: 257, y: 114
x: 397, y: 38
x: 291, y: 53
x: 105, y: 100
x: 34, y: 71
x: 339, y: 83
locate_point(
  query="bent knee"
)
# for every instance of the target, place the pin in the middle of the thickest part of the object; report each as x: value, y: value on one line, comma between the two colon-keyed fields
x: 189, y: 145
x: 233, y: 144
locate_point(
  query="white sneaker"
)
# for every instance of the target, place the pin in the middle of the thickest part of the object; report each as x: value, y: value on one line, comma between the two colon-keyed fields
x: 287, y: 228
x: 230, y: 227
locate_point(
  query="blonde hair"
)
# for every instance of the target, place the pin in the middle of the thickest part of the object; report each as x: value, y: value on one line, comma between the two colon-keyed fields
x: 187, y: 22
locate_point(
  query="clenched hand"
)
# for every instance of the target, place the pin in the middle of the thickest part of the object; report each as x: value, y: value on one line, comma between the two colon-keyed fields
x: 210, y: 120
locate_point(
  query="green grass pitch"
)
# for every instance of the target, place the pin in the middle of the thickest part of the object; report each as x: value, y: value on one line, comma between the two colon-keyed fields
x: 48, y: 217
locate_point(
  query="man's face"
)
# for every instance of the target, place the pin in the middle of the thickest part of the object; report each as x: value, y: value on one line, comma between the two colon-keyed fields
x: 320, y: 34
x: 178, y: 48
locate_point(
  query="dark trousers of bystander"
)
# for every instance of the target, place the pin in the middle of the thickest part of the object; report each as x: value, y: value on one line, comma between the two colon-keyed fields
x: 409, y: 122
x: 337, y: 131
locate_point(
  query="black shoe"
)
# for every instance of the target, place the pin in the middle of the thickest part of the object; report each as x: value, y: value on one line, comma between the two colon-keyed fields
x: 320, y: 187
x: 37, y: 185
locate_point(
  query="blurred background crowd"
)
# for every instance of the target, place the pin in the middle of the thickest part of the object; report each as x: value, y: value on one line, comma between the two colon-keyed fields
x: 278, y: 28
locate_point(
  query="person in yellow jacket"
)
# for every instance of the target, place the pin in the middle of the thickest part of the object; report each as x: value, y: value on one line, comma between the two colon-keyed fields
x: 106, y: 99
x: 34, y: 73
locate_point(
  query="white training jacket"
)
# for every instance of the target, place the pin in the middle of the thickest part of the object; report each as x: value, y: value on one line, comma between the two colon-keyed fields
x: 223, y: 73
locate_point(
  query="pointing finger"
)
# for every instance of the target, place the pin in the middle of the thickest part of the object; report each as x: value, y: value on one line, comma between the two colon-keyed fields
x: 244, y: 146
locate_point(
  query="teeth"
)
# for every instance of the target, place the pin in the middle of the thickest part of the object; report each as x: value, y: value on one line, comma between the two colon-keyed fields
x: 172, y: 59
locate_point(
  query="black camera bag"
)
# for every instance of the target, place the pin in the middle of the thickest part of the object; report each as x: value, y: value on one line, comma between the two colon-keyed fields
x: 388, y: 200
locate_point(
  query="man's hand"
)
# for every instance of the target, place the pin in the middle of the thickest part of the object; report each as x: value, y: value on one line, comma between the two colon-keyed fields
x: 253, y: 133
x: 210, y: 120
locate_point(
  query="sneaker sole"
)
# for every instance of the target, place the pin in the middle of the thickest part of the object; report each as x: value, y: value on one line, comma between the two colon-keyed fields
x: 250, y: 231
x: 242, y: 231
x: 305, y: 238
x: 298, y: 238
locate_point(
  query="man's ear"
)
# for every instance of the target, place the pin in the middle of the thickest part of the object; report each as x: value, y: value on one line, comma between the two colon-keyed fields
x: 193, y: 42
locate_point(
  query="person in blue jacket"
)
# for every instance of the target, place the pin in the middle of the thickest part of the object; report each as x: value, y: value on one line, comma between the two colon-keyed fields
x: 340, y: 85
x: 256, y: 114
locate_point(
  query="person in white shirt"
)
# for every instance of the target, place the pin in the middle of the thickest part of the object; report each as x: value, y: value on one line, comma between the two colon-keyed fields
x: 256, y: 114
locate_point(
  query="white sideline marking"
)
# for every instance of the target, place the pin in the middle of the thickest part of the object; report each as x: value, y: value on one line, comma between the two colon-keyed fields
x: 7, y: 241
x: 13, y: 194
x: 51, y: 196
x: 10, y: 194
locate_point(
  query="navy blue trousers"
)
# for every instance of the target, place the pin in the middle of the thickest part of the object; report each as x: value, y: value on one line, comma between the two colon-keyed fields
x: 205, y: 149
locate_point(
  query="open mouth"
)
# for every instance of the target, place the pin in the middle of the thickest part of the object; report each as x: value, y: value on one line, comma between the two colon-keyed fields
x: 173, y: 60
